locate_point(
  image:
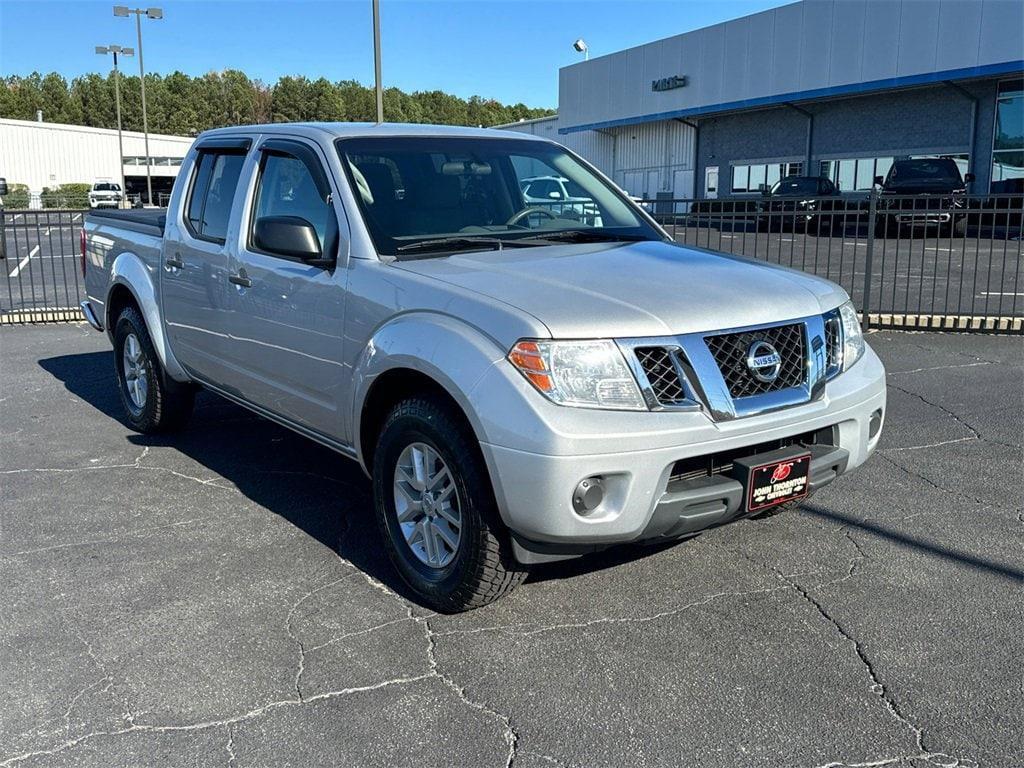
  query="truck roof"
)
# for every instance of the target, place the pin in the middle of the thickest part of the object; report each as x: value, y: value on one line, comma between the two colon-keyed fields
x: 353, y: 130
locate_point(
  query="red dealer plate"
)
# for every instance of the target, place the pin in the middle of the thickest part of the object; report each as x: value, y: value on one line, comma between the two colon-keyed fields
x: 777, y: 482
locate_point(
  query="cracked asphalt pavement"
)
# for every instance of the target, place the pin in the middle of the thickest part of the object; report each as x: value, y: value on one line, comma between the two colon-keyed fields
x: 219, y: 597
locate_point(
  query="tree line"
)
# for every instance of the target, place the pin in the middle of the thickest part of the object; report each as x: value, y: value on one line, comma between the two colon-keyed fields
x: 180, y: 104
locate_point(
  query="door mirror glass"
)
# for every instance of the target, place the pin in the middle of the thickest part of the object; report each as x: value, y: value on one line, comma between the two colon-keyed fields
x: 288, y: 236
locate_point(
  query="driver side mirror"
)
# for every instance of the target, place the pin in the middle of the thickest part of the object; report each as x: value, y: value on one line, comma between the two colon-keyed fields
x: 968, y: 178
x: 3, y: 187
x: 764, y: 189
x: 879, y: 181
x: 290, y: 236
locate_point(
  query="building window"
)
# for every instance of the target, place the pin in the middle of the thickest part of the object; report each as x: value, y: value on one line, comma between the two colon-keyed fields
x: 855, y: 174
x: 1008, y: 142
x: 749, y: 178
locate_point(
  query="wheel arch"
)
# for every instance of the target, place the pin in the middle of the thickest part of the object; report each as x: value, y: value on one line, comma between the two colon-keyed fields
x: 132, y: 284
x: 414, y: 354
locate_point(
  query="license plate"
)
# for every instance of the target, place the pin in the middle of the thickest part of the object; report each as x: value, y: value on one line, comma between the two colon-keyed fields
x: 775, y: 479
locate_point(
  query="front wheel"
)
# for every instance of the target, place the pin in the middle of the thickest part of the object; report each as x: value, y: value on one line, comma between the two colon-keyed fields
x: 436, y: 509
x: 153, y: 402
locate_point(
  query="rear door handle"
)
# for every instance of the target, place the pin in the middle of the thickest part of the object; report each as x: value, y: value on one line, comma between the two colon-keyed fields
x: 241, y: 280
x: 174, y: 263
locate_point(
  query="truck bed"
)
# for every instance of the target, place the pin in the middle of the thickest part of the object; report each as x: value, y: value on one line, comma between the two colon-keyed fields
x: 152, y: 218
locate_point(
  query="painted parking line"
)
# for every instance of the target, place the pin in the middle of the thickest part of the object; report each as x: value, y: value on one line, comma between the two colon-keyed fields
x: 1001, y: 293
x: 17, y: 270
x: 76, y: 217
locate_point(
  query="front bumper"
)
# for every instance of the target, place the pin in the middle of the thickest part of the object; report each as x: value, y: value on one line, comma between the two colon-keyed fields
x: 635, y: 454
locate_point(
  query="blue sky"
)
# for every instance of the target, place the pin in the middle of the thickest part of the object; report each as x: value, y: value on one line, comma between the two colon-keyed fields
x: 508, y: 50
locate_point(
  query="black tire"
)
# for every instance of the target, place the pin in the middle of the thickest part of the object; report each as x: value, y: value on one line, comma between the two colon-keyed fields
x: 483, y: 568
x: 958, y: 227
x: 167, y: 404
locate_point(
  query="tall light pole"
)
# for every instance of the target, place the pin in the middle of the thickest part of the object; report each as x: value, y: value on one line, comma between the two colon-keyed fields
x: 103, y: 50
x: 152, y: 13
x: 376, y: 60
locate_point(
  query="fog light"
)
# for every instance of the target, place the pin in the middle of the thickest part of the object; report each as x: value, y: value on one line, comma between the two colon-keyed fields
x: 588, y: 495
x: 875, y: 423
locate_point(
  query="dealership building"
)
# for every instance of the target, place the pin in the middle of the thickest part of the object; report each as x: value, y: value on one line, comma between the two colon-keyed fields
x: 40, y: 155
x: 838, y: 88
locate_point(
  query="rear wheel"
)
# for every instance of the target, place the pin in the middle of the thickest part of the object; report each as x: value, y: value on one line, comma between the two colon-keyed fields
x: 436, y: 509
x: 152, y: 401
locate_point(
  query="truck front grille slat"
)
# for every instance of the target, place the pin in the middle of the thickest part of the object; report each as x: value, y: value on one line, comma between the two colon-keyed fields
x: 833, y: 349
x: 661, y: 372
x: 730, y: 351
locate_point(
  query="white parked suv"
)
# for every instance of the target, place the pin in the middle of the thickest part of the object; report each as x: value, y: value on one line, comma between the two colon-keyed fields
x: 105, y: 194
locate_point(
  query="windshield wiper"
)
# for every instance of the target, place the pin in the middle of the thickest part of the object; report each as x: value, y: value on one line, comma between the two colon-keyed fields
x: 465, y: 243
x: 584, y: 236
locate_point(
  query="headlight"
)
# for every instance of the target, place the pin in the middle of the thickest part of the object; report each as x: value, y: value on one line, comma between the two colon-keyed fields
x: 852, y: 337
x: 583, y: 374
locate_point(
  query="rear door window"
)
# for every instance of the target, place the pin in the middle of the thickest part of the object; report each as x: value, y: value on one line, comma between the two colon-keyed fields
x: 213, y: 191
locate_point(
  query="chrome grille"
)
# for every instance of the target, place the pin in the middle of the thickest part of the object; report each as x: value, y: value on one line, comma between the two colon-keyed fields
x: 730, y: 351
x: 661, y: 372
x: 833, y: 345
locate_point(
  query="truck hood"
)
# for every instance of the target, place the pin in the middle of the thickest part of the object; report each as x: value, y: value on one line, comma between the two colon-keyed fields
x: 634, y: 289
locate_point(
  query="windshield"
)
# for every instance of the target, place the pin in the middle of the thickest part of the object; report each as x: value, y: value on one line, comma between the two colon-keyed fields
x: 106, y: 187
x: 796, y: 185
x: 418, y: 189
x: 938, y: 171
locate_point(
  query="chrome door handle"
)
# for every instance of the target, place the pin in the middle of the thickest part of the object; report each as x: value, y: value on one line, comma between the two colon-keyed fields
x: 174, y: 262
x: 241, y: 280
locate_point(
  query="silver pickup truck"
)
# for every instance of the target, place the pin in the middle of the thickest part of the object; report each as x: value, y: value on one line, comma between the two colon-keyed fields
x: 521, y: 385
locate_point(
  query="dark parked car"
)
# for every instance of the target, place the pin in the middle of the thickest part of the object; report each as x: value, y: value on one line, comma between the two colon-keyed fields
x: 922, y: 194
x: 799, y: 202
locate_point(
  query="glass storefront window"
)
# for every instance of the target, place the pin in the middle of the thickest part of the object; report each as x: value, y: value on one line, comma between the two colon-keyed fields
x: 749, y: 178
x: 1008, y: 141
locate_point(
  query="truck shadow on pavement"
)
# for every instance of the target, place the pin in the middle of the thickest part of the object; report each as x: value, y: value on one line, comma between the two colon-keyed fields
x: 320, y: 492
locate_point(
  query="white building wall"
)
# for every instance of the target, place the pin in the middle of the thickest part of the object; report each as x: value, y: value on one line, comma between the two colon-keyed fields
x: 794, y: 49
x: 47, y: 154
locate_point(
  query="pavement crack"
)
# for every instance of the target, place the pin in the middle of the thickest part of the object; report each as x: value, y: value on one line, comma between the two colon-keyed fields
x: 929, y: 481
x: 204, y: 725
x: 526, y: 630
x: 877, y: 687
x: 505, y: 721
x: 289, y: 628
x: 230, y: 746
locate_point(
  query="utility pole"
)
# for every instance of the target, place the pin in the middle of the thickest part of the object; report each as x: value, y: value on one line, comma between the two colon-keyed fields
x: 151, y: 13
x: 376, y: 60
x: 117, y: 49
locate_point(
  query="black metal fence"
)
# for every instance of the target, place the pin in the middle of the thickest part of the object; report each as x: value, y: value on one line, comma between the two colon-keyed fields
x: 920, y: 261
x: 928, y: 261
x: 41, y: 267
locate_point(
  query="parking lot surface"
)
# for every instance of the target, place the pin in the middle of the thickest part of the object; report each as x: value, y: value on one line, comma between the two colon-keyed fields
x: 218, y: 597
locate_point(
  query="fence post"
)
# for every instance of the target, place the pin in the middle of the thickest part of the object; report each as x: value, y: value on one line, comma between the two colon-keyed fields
x: 869, y: 257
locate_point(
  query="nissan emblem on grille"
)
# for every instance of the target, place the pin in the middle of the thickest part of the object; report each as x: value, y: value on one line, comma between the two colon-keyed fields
x: 764, y: 361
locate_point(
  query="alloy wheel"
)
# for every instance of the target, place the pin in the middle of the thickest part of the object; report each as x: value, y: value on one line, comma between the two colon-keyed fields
x: 427, y: 505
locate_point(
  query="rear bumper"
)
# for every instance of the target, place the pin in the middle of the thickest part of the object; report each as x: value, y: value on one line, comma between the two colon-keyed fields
x: 90, y: 315
x: 642, y: 500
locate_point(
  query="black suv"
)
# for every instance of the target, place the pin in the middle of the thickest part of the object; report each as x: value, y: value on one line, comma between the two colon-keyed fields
x: 798, y: 202
x: 921, y: 194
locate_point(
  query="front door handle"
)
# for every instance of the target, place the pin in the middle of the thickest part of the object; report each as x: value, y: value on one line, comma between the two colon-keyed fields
x: 174, y: 262
x: 241, y: 280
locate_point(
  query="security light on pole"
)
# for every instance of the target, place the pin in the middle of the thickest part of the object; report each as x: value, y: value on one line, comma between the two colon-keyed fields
x: 149, y: 13
x: 103, y: 50
x: 581, y: 47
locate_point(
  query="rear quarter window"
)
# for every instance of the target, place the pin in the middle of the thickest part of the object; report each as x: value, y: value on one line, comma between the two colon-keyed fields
x: 213, y: 191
